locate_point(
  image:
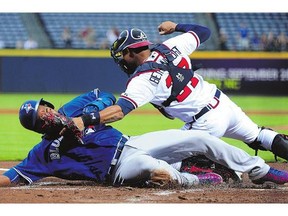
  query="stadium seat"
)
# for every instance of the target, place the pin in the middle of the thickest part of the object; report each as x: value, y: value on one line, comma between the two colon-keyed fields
x: 12, y: 29
x: 255, y: 22
x: 102, y: 22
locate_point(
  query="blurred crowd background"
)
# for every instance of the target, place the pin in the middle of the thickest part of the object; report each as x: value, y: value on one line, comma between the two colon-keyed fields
x: 230, y: 31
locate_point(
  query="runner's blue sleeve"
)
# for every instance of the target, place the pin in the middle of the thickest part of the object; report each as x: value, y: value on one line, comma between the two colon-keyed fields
x: 202, y: 31
x: 32, y: 168
x: 97, y: 99
x: 104, y: 100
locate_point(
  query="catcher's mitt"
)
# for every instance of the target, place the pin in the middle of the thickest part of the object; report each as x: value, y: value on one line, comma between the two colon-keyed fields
x: 55, y: 125
x: 201, y: 164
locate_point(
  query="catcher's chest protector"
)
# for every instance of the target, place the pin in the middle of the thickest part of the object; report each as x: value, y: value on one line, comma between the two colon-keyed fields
x: 180, y: 76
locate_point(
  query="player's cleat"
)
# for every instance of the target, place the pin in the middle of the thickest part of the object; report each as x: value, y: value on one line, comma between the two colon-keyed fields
x: 210, y: 179
x: 273, y: 175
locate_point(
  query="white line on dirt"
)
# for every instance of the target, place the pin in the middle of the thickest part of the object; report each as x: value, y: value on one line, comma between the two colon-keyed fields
x: 164, y: 193
x: 47, y: 188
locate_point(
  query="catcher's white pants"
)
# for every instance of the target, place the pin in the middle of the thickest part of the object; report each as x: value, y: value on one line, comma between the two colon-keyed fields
x: 228, y: 120
x: 156, y: 150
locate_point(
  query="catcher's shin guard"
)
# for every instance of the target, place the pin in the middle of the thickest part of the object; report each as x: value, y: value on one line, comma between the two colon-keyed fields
x: 280, y: 146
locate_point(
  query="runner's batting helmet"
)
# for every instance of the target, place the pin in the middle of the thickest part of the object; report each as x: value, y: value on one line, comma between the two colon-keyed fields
x: 28, y: 113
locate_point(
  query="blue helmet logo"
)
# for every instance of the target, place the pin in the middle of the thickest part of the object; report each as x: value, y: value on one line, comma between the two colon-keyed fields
x: 28, y: 107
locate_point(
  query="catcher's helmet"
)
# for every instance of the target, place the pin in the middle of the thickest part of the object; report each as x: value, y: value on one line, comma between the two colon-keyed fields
x: 28, y: 113
x: 130, y: 38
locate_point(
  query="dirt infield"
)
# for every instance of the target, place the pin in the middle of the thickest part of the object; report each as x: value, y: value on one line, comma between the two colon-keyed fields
x: 54, y: 190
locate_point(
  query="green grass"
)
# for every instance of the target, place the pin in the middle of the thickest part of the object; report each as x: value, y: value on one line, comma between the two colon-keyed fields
x: 261, y: 102
x: 16, y: 141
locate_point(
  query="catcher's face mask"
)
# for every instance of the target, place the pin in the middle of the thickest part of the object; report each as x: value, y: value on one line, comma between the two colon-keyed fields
x: 131, y: 38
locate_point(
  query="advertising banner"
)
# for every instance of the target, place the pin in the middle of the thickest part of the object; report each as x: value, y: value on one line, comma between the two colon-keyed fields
x: 247, y: 76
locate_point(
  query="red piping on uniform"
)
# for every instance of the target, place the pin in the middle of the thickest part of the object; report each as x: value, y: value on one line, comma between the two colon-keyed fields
x: 130, y: 100
x: 196, y: 37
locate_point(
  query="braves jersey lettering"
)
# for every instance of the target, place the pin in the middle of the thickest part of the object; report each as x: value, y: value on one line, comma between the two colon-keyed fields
x: 175, y: 52
x: 183, y: 63
x: 193, y: 82
x: 186, y: 91
x: 156, y: 77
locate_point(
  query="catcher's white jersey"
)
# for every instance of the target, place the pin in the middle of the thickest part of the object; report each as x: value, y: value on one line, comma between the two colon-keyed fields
x: 155, y: 87
x: 224, y: 118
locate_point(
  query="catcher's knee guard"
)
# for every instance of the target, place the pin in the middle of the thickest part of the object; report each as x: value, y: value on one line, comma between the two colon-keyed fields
x: 280, y: 146
x: 256, y: 145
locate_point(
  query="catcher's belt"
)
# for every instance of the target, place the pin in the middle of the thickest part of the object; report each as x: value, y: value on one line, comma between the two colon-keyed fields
x: 207, y: 108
